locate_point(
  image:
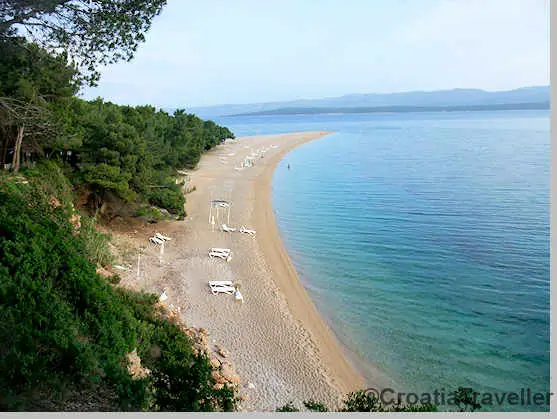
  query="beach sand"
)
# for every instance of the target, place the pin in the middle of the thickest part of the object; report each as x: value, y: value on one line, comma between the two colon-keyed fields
x: 282, y: 349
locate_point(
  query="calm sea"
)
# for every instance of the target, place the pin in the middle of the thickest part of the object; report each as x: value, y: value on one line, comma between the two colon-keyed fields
x: 423, y: 239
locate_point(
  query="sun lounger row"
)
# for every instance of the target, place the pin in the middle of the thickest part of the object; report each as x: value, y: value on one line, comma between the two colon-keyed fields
x: 249, y: 160
x: 243, y: 229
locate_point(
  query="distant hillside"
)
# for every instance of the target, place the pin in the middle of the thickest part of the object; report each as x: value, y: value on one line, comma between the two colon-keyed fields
x: 400, y: 109
x: 439, y: 98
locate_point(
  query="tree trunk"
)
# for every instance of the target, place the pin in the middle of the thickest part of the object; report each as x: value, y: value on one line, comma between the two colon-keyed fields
x: 17, y: 148
x: 4, y: 153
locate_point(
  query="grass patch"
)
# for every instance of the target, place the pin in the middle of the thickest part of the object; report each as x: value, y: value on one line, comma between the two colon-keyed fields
x: 95, y: 243
x: 151, y: 213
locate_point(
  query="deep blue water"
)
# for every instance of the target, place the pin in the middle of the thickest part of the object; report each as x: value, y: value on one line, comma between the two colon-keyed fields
x: 423, y: 239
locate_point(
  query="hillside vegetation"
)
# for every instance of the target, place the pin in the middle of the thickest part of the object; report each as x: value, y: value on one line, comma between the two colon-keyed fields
x: 64, y: 330
x: 67, y: 335
x: 133, y: 152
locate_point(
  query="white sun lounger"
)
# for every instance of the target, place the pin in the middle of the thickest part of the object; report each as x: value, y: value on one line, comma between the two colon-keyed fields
x: 227, y: 229
x: 243, y: 229
x: 220, y: 283
x: 221, y: 253
x: 223, y: 289
x: 162, y: 237
x: 220, y: 203
x: 223, y: 256
x: 156, y: 240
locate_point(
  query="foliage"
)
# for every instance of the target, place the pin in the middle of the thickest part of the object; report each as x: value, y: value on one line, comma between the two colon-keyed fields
x: 465, y: 400
x: 63, y: 326
x: 170, y: 199
x: 131, y: 151
x: 315, y: 406
x: 90, y: 33
x: 183, y: 379
x: 288, y: 407
x: 135, y: 152
x: 94, y: 243
x: 30, y: 72
x: 32, y: 82
x: 362, y: 401
x: 114, y: 279
x: 150, y: 213
x: 49, y: 177
x: 359, y: 401
x: 103, y: 177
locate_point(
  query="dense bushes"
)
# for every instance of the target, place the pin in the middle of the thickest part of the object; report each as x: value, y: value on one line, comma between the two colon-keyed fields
x: 62, y: 326
x: 134, y: 152
x: 171, y: 199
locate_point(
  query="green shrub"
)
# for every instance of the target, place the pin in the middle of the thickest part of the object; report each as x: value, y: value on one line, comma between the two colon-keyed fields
x: 152, y: 214
x: 465, y: 400
x: 49, y: 177
x: 315, y: 406
x: 362, y: 401
x: 114, y: 279
x: 169, y: 199
x: 288, y: 407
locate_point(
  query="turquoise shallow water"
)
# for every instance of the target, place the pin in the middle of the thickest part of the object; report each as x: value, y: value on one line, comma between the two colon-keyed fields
x: 423, y: 239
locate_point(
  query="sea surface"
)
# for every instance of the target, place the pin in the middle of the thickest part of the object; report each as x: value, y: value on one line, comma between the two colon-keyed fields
x: 423, y: 240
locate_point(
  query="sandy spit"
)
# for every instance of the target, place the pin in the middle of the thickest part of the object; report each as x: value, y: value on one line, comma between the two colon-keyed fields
x: 281, y: 347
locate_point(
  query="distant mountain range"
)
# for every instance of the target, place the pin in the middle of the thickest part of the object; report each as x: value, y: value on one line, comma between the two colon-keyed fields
x: 399, y: 109
x: 536, y: 97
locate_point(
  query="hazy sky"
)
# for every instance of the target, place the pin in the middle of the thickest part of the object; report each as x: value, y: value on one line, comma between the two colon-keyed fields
x: 242, y: 51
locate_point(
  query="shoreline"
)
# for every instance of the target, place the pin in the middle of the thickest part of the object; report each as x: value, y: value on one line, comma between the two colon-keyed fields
x: 286, y: 277
x: 281, y: 347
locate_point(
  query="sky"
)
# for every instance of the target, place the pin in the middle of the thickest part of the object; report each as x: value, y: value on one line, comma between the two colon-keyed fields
x: 200, y: 53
